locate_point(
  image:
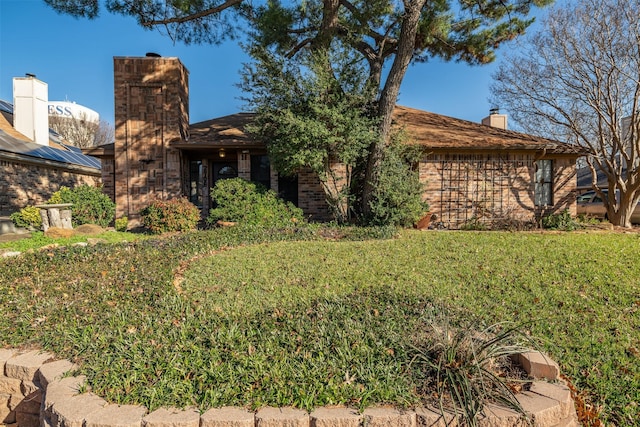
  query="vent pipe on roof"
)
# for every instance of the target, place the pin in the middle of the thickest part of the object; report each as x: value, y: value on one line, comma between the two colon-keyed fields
x: 30, y: 110
x: 495, y: 119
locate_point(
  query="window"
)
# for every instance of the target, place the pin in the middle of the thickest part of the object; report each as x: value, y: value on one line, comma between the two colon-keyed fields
x: 226, y: 172
x: 543, y: 190
x: 288, y: 188
x: 586, y: 197
x: 195, y: 182
x: 261, y: 170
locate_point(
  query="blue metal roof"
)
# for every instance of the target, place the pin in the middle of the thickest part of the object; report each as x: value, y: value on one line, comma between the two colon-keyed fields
x: 6, y: 107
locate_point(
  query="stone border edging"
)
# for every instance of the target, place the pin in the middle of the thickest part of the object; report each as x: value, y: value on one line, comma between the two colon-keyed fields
x: 36, y: 393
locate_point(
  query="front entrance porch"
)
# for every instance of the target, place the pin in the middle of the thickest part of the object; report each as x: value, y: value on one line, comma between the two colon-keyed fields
x: 204, y: 168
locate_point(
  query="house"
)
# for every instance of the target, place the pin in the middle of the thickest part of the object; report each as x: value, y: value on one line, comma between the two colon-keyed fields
x: 471, y: 170
x: 486, y: 172
x: 34, y: 160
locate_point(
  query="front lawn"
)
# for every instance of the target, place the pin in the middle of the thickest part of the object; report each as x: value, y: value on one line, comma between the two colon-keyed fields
x: 268, y: 320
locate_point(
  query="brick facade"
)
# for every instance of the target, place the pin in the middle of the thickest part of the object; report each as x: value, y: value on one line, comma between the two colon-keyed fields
x: 151, y: 109
x: 29, y: 183
x: 311, y: 198
x: 490, y: 186
x: 154, y: 156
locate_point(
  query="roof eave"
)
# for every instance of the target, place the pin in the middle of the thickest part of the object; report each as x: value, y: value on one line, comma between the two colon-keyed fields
x: 21, y: 158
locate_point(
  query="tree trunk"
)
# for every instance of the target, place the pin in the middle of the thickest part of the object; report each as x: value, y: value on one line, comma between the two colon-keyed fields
x: 389, y: 97
x: 625, y: 211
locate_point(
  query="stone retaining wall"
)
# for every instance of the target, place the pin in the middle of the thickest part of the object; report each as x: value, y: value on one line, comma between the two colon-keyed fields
x: 34, y: 392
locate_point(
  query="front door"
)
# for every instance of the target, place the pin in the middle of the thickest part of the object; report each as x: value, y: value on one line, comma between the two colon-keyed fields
x: 223, y: 170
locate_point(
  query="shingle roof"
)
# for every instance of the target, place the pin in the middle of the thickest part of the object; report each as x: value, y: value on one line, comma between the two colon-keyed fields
x: 433, y: 131
x: 221, y: 131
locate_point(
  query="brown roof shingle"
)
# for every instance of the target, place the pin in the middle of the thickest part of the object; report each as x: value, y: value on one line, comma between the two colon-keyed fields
x: 433, y: 131
x: 222, y: 131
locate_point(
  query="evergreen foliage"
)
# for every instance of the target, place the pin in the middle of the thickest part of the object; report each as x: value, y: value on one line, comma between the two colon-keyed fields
x: 165, y: 216
x: 398, y: 196
x: 248, y: 203
x: 89, y: 205
x: 311, y: 119
x: 27, y: 217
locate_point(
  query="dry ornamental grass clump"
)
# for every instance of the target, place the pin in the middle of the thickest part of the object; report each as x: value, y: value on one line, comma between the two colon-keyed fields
x: 462, y: 369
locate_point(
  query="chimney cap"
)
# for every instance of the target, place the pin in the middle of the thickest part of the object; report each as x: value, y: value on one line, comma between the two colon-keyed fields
x: 152, y: 55
x: 30, y: 75
x: 494, y: 110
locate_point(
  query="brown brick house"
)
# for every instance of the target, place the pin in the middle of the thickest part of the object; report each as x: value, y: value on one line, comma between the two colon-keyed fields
x: 35, y: 161
x: 470, y: 170
x: 485, y: 172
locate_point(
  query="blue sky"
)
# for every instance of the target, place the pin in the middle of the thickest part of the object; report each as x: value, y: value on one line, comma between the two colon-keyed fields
x: 75, y: 58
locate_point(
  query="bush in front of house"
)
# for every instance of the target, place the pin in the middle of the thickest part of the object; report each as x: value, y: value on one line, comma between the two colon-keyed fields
x: 90, y: 205
x: 122, y: 224
x: 165, y: 216
x: 248, y: 203
x: 560, y: 221
x: 27, y: 217
x: 397, y: 197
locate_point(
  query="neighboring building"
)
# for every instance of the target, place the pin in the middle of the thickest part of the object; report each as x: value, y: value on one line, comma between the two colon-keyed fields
x: 78, y: 124
x: 471, y: 171
x: 72, y: 111
x: 34, y: 160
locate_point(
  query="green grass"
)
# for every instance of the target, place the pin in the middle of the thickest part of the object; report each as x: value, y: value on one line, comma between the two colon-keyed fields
x: 37, y: 239
x: 314, y: 322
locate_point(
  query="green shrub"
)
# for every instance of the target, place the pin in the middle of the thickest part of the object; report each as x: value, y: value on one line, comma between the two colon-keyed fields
x: 122, y: 224
x: 397, y: 198
x: 63, y: 195
x: 474, y: 223
x: 90, y: 205
x: 28, y: 216
x: 560, y: 221
x: 238, y: 200
x: 164, y: 216
x: 588, y: 220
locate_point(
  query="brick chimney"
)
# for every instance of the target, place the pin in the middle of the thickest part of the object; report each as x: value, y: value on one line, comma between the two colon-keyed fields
x: 495, y: 119
x: 30, y: 110
x: 151, y: 110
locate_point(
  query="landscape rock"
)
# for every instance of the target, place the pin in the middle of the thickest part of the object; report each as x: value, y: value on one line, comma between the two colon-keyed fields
x: 89, y: 229
x: 59, y: 233
x: 172, y: 417
x: 24, y: 366
x: 227, y: 417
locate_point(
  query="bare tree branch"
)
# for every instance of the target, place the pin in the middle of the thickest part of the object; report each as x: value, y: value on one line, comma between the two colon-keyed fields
x: 579, y: 79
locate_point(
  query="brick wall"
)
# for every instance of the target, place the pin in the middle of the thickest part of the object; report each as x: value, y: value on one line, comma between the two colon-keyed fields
x: 24, y: 184
x: 108, y: 177
x: 485, y: 187
x: 311, y: 196
x: 151, y: 109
